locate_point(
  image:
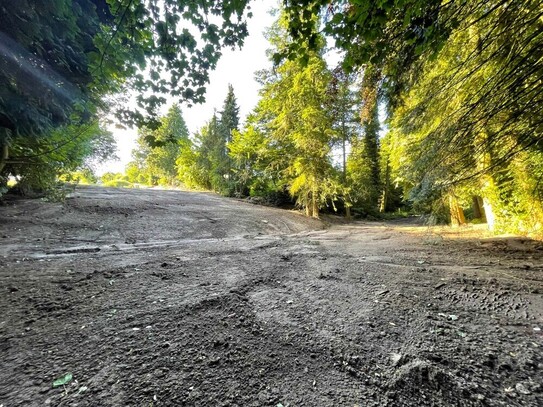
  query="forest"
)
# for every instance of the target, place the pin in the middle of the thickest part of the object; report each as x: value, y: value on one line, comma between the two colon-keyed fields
x: 364, y: 229
x: 434, y: 108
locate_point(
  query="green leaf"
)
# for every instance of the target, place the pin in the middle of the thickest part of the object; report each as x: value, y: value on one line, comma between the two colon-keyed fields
x: 61, y: 381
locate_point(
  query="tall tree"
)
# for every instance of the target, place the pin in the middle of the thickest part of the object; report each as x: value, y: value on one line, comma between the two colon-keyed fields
x: 169, y: 137
x: 157, y: 152
x: 342, y: 104
x: 292, y: 108
x: 363, y: 161
x: 228, y: 122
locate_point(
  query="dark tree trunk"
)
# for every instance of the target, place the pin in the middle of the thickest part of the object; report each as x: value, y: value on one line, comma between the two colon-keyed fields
x: 4, y: 155
x: 478, y: 208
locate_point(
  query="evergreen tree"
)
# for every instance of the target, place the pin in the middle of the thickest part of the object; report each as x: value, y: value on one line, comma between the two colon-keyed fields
x: 342, y: 104
x: 299, y: 128
x: 228, y: 121
x: 168, y: 139
x: 364, y: 158
x: 157, y: 152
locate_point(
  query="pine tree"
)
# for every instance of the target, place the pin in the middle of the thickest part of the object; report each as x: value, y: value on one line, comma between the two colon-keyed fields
x: 342, y: 104
x: 363, y: 163
x: 229, y: 121
x: 300, y: 131
x: 157, y: 152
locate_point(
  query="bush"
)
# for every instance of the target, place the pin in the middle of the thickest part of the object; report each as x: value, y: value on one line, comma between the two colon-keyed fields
x: 118, y: 183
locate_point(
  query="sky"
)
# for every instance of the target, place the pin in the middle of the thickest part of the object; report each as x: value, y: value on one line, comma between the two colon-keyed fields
x: 236, y: 67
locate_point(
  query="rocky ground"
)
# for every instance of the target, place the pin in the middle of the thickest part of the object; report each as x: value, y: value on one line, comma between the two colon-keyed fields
x: 168, y: 298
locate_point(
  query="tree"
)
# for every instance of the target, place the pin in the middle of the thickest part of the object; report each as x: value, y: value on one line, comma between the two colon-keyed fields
x: 461, y: 81
x: 383, y: 35
x: 157, y: 152
x: 464, y: 139
x: 249, y: 150
x: 228, y: 122
x: 200, y: 159
x: 341, y: 104
x: 168, y: 139
x: 299, y: 128
x: 67, y: 149
x: 83, y: 48
x: 61, y: 58
x: 364, y: 158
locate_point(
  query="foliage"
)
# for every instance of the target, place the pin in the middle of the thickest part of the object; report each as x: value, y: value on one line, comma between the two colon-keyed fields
x: 363, y: 163
x: 342, y: 103
x: 297, y: 129
x: 84, y: 176
x: 469, y: 122
x: 78, y: 51
x: 462, y: 85
x: 155, y: 158
x: 391, y: 35
x: 248, y: 150
x: 38, y: 163
x: 205, y: 162
x: 228, y: 122
x: 115, y: 180
x: 62, y: 60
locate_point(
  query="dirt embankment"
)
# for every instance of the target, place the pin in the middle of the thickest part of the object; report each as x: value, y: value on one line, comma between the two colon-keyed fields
x: 164, y: 298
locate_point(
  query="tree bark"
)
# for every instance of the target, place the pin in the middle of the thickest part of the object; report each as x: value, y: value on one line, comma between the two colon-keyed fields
x: 457, y: 213
x: 309, y: 205
x: 385, y: 192
x: 315, y: 207
x: 478, y: 208
x: 4, y: 155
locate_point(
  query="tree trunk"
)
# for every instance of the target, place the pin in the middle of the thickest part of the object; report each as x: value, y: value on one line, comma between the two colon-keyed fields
x: 478, y: 208
x: 457, y: 213
x: 489, y: 214
x: 347, y: 211
x: 315, y: 208
x: 309, y: 205
x: 4, y: 155
x: 386, y: 186
x: 344, y: 148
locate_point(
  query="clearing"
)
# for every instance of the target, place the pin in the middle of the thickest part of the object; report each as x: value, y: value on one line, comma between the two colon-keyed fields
x: 168, y: 298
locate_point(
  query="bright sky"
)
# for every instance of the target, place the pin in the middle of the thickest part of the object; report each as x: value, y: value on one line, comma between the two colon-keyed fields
x: 235, y: 67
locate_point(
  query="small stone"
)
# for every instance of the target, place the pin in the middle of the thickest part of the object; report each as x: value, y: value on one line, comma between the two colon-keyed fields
x: 395, y: 358
x: 522, y: 389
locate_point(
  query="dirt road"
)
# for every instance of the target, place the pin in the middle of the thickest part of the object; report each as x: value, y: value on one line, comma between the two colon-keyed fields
x: 166, y: 298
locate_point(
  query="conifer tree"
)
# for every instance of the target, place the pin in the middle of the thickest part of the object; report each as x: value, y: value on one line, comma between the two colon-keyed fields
x: 299, y: 128
x: 364, y: 158
x: 229, y: 121
x: 155, y: 158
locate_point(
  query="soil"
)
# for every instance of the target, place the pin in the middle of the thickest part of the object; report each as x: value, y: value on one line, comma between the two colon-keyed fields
x: 169, y: 298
